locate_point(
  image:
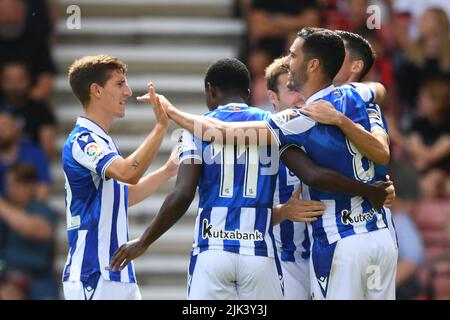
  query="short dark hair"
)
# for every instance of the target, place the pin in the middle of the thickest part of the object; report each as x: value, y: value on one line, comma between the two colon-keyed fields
x: 359, y: 49
x: 325, y: 45
x: 23, y: 172
x: 92, y: 69
x: 229, y: 75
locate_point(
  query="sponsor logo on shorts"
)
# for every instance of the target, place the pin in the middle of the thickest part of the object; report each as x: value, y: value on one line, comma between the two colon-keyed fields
x: 349, y: 218
x: 209, y: 232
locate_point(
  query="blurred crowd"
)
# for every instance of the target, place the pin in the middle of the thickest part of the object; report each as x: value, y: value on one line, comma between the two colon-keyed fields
x: 27, y: 147
x: 413, y: 62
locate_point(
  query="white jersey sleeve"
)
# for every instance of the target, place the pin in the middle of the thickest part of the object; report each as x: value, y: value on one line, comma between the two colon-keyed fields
x: 366, y: 93
x: 190, y: 147
x: 93, y: 153
x: 375, y: 117
x: 290, y: 127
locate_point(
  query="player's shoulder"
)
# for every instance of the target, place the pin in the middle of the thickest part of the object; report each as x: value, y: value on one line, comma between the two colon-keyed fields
x: 362, y: 90
x: 291, y: 118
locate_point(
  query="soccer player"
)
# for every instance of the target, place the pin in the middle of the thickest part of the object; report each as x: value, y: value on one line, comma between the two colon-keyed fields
x: 291, y: 237
x: 351, y: 241
x: 233, y: 253
x: 359, y: 58
x: 101, y: 184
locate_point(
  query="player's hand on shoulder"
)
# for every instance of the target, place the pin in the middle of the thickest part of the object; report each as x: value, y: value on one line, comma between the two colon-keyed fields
x: 126, y: 253
x: 321, y: 111
x: 298, y: 210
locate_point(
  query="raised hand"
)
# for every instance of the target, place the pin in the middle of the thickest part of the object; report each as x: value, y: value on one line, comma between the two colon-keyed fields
x: 166, y: 104
x: 158, y: 108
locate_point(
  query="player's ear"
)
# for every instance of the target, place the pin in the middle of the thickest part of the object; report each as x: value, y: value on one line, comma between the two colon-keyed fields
x: 357, y: 66
x: 273, y: 97
x: 313, y: 65
x: 212, y: 90
x: 95, y: 90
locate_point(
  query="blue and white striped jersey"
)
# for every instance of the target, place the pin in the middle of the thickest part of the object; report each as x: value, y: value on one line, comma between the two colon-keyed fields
x: 291, y: 238
x: 236, y: 189
x: 96, y: 206
x: 328, y: 147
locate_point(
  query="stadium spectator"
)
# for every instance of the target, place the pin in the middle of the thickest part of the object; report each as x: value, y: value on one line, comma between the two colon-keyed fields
x: 438, y: 286
x: 18, y: 41
x: 42, y: 16
x: 410, y: 256
x: 31, y: 223
x: 39, y: 121
x: 429, y: 140
x: 14, y: 149
x: 14, y: 286
x: 406, y: 18
x: 427, y: 57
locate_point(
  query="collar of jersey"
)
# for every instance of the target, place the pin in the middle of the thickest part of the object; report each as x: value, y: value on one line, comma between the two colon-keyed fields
x: 233, y: 104
x: 321, y: 93
x: 92, y: 126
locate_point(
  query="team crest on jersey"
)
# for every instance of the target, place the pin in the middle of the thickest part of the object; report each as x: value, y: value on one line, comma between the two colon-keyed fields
x: 94, y: 152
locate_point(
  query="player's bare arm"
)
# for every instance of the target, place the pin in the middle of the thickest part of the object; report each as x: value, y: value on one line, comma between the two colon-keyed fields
x: 173, y: 208
x: 374, y: 145
x: 379, y: 89
x: 153, y: 181
x: 209, y: 129
x: 328, y: 180
x: 131, y: 169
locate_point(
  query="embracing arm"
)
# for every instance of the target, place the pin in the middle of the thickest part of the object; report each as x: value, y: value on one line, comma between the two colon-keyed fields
x: 379, y: 89
x: 327, y: 180
x: 374, y: 145
x: 173, y: 208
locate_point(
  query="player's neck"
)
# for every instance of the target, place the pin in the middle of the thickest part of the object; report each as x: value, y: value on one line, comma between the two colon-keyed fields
x: 230, y: 99
x: 352, y: 78
x: 103, y: 120
x: 312, y: 87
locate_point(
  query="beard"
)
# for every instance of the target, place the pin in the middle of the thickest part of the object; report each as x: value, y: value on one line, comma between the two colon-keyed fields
x: 297, y: 79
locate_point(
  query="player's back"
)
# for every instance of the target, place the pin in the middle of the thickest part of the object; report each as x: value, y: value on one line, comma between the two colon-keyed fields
x: 236, y: 189
x: 241, y: 175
